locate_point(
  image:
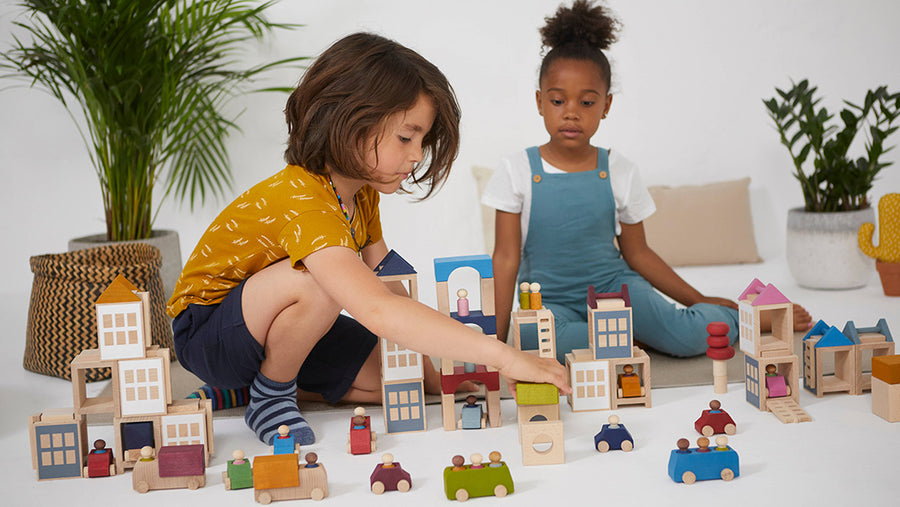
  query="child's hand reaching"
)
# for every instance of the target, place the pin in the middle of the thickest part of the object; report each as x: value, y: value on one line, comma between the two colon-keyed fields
x: 522, y: 366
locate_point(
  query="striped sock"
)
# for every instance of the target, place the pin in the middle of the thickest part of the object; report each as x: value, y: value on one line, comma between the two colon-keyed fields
x: 222, y: 398
x: 273, y: 404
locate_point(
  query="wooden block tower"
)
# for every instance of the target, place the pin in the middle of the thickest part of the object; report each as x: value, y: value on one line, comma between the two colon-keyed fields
x: 141, y: 404
x: 771, y: 370
x: 484, y: 319
x: 402, y: 373
x: 612, y: 372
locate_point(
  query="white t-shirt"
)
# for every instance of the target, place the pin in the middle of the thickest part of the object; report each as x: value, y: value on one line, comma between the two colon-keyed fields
x: 509, y: 189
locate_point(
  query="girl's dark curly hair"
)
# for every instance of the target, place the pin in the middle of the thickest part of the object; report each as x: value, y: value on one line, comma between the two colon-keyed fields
x: 347, y: 95
x: 580, y: 32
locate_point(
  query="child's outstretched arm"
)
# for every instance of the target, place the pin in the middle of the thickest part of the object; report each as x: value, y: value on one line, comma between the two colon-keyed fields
x: 506, y: 258
x: 641, y: 258
x: 354, y: 287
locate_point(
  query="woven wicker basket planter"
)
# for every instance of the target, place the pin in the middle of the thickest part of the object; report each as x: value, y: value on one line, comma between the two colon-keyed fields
x: 61, y: 315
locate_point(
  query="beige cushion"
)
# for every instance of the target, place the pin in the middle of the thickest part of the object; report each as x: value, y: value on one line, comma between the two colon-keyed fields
x: 693, y: 225
x: 702, y: 224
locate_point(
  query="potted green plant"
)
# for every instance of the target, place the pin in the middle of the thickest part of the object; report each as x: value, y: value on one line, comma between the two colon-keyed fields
x: 149, y: 81
x: 821, y: 245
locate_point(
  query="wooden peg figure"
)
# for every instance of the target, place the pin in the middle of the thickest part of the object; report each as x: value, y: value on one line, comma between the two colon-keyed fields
x: 359, y: 418
x: 458, y: 463
x: 476, y: 461
x: 462, y: 304
x: 311, y: 459
x: 525, y: 296
x: 683, y: 445
x: 703, y: 444
x: 147, y: 453
x: 534, y: 299
x: 238, y: 457
x: 721, y: 443
x: 99, y: 447
x: 495, y: 458
x: 387, y: 460
x: 613, y: 421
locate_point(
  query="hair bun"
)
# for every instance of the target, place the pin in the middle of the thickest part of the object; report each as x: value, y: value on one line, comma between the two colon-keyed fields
x: 582, y: 23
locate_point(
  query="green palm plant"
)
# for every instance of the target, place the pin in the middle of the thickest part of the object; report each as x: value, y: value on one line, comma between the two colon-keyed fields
x: 149, y: 80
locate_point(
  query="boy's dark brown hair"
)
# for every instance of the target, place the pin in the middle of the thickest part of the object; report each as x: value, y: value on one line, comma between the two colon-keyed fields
x: 347, y: 95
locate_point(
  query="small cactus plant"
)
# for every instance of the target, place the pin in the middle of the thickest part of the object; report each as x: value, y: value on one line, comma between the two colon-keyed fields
x: 888, y: 249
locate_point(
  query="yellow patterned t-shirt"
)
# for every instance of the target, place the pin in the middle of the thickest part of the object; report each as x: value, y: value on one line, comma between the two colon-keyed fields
x: 291, y: 214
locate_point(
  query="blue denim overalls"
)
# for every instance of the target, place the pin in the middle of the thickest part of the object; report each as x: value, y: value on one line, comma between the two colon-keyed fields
x: 569, y: 246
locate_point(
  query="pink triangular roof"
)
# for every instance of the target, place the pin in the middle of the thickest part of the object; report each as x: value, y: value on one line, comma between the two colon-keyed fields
x: 755, y: 287
x: 770, y: 296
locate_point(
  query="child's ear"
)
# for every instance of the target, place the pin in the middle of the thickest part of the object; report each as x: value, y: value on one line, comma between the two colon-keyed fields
x: 609, y: 98
x: 537, y: 98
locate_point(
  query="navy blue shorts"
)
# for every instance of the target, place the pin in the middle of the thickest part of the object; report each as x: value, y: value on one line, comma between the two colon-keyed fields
x: 213, y: 343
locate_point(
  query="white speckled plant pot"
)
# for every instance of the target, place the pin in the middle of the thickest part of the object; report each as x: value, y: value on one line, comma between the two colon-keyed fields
x: 822, y: 250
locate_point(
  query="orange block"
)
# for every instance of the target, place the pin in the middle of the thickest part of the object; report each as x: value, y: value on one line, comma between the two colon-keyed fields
x: 631, y: 385
x: 276, y: 471
x: 886, y: 368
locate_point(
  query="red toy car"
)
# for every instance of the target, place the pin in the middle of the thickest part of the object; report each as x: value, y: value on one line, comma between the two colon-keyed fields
x: 361, y: 439
x: 715, y: 421
x: 389, y: 476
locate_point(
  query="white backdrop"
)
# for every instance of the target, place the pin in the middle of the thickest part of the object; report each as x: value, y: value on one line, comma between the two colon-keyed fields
x: 689, y: 79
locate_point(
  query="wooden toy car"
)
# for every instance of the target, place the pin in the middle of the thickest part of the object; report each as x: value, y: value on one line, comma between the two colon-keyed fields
x: 472, y: 415
x: 281, y: 477
x: 613, y: 436
x: 239, y: 474
x: 100, y: 461
x: 462, y: 482
x: 389, y: 476
x: 702, y: 463
x: 175, y: 466
x: 715, y: 421
x: 361, y: 439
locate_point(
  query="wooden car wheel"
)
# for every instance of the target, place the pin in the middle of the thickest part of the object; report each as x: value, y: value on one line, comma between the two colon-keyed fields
x: 708, y: 431
x: 143, y: 487
x: 730, y: 429
x: 688, y: 477
x: 84, y: 473
x: 603, y: 446
x: 462, y: 495
x: 500, y: 491
x: 403, y: 486
x: 317, y: 494
x: 378, y: 487
x: 193, y: 484
x: 264, y: 498
x: 348, y: 448
x: 627, y: 446
x: 727, y: 474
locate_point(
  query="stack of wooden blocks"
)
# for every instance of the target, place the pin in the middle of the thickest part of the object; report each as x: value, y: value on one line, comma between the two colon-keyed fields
x: 886, y: 387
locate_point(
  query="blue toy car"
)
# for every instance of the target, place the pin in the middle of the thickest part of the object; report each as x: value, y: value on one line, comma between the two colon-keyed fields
x: 703, y: 463
x: 613, y: 436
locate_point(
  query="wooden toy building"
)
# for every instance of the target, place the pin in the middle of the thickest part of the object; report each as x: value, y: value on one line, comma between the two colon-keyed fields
x: 402, y: 372
x: 609, y: 373
x: 886, y: 387
x: 771, y: 370
x: 141, y: 403
x: 851, y: 352
x: 484, y: 319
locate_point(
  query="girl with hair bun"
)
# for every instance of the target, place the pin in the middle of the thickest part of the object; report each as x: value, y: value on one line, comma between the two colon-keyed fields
x: 561, y: 205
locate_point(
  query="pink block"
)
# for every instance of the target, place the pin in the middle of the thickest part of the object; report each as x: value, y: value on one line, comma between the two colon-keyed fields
x: 776, y: 386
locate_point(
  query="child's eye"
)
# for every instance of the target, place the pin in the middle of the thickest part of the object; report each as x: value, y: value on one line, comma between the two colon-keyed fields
x: 556, y: 102
x: 404, y: 139
x: 587, y: 103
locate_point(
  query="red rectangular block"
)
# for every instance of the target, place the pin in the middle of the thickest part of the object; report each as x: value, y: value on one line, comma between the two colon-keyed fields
x: 181, y: 460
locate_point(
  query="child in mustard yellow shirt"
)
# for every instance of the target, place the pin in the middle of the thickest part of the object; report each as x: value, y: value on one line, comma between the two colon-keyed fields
x: 259, y: 301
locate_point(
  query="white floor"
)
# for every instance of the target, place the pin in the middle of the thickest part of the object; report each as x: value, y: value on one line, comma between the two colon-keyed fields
x: 845, y: 456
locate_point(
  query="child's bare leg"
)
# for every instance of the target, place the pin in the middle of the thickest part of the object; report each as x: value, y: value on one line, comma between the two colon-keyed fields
x: 287, y: 313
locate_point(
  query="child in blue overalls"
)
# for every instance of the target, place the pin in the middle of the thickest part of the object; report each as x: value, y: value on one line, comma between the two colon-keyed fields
x: 561, y: 205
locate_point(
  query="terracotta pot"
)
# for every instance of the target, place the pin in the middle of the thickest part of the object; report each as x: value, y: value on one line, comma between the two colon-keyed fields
x: 890, y: 277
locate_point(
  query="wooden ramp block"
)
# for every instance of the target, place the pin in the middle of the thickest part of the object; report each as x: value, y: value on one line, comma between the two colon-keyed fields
x: 787, y: 411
